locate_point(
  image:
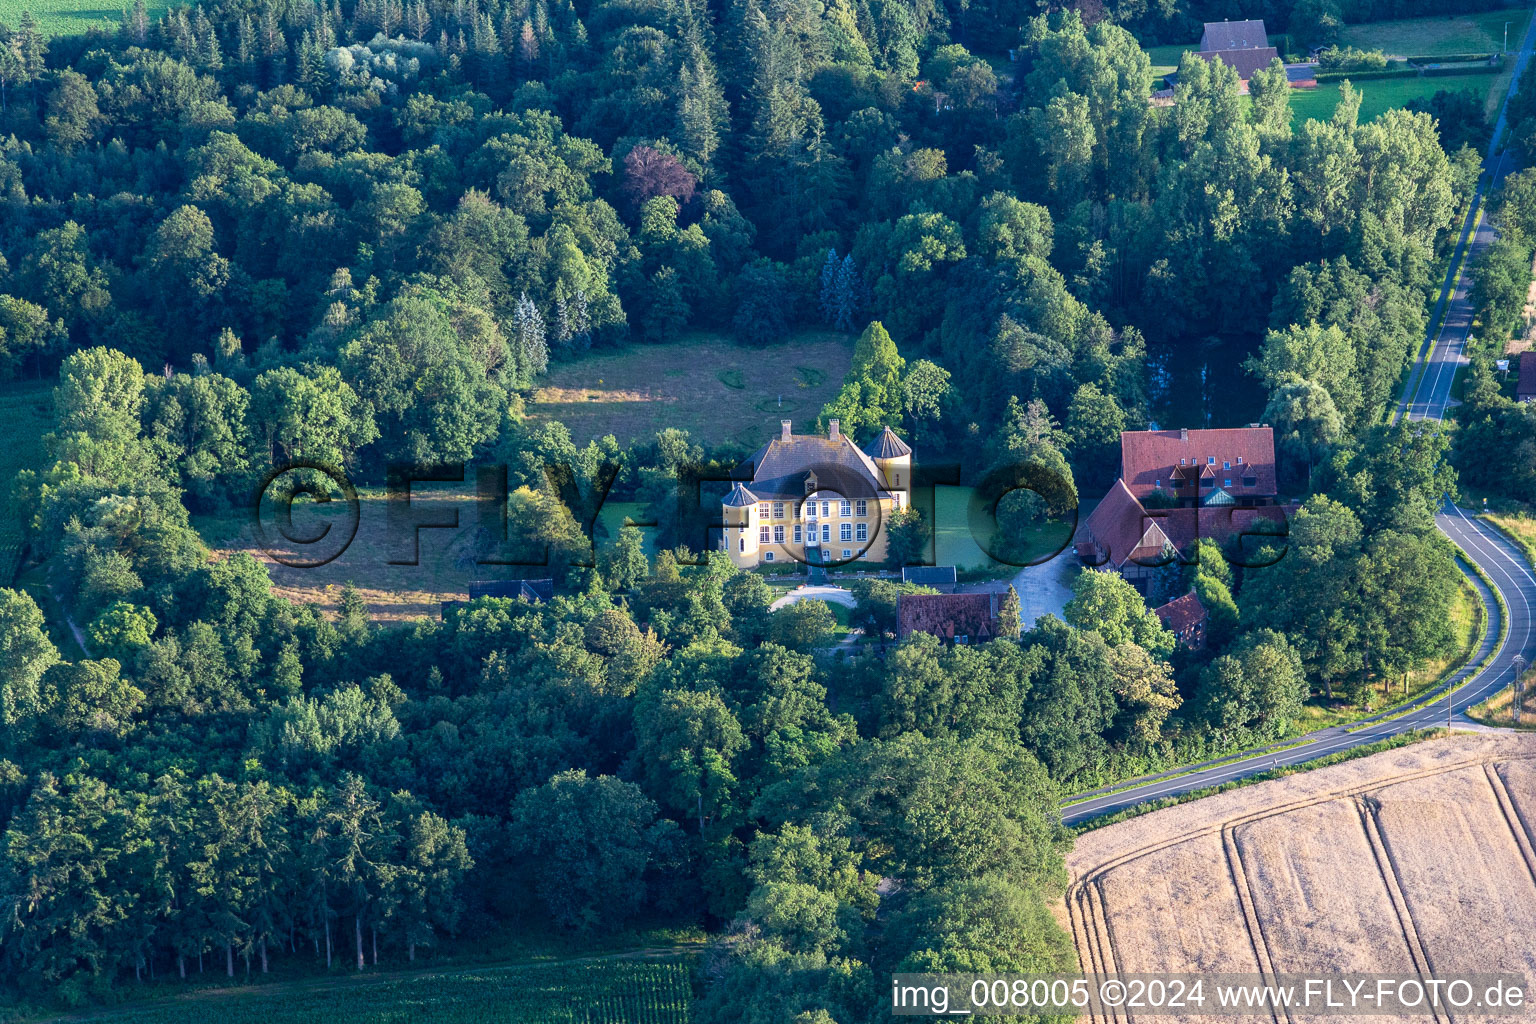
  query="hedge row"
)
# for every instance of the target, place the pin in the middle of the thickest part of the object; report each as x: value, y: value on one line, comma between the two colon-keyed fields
x: 1360, y: 76
x: 1454, y: 58
x: 1486, y: 69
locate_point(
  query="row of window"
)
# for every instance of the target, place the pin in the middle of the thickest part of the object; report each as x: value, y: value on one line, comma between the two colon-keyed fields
x: 1248, y: 481
x: 845, y: 532
x: 768, y: 555
x: 1210, y: 460
x: 845, y: 509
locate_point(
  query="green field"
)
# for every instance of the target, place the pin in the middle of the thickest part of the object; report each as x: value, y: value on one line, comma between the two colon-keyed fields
x: 1442, y: 36
x: 65, y: 17
x: 955, y: 544
x: 596, y: 992
x: 26, y: 414
x: 1381, y: 95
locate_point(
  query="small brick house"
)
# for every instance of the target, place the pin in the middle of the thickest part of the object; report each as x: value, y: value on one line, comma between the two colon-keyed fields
x: 1185, y: 618
x: 963, y: 618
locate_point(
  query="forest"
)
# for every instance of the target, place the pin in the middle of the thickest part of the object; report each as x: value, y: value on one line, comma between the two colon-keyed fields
x: 259, y: 231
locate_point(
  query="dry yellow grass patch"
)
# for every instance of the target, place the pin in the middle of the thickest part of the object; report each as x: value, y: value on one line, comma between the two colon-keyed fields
x: 1417, y: 860
x: 393, y: 593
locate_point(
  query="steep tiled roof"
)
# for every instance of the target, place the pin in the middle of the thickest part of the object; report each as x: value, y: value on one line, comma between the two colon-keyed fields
x: 1245, y: 62
x: 1233, y: 35
x: 948, y: 615
x: 1185, y: 618
x: 1149, y: 456
x: 1120, y: 530
x: 887, y: 446
x: 1183, y: 526
x: 779, y: 468
x: 739, y: 497
x: 1526, y: 388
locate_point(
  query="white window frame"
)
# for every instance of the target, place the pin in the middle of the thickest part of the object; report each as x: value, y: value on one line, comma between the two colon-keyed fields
x: 845, y: 534
x: 862, y: 508
x: 762, y: 509
x: 778, y: 535
x: 762, y: 535
x: 861, y: 532
x: 778, y: 510
x: 847, y: 553
x: 826, y: 510
x: 767, y: 556
x: 846, y: 509
x: 826, y: 533
x: 797, y: 533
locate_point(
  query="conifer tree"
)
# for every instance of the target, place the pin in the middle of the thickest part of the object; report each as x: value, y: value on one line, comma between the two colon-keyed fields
x: 529, y: 325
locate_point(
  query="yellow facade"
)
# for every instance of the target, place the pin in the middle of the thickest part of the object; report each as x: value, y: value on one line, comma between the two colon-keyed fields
x: 778, y: 530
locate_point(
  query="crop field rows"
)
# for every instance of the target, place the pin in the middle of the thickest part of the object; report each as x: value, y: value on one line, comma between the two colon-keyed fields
x: 610, y: 992
x: 1425, y: 868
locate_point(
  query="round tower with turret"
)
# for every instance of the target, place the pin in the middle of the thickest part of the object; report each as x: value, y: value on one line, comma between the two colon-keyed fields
x: 893, y: 458
x: 740, y: 513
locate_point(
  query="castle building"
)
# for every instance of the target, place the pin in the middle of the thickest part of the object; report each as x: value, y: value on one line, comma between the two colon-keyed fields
x: 816, y: 500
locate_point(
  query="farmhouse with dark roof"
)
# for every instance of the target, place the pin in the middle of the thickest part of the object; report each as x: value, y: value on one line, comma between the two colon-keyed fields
x: 1243, y: 45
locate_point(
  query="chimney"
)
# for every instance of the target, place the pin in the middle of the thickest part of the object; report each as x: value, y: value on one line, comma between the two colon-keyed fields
x: 1183, y: 433
x: 832, y: 429
x: 784, y: 430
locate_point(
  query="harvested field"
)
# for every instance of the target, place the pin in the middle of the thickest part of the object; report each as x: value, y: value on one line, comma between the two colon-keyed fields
x: 1417, y: 860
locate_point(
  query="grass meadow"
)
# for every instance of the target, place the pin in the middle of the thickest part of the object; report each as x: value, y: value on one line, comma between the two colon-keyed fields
x: 706, y: 384
x: 1441, y: 36
x: 67, y: 17
x: 393, y: 592
x: 1383, y: 94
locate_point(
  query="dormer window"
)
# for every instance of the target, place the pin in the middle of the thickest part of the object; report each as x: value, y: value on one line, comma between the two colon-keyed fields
x: 1226, y: 465
x: 1210, y: 460
x: 1181, y: 462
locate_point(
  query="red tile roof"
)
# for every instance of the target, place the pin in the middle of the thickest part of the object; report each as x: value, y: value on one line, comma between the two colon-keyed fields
x: 1150, y: 456
x: 1525, y: 390
x: 1120, y: 530
x: 1183, y: 526
x: 948, y: 615
x: 1185, y: 618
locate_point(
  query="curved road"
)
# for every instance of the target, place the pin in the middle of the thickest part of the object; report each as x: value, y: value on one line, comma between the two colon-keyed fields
x: 1427, y: 395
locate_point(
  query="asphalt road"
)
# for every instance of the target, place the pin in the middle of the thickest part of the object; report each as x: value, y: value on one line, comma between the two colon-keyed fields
x: 1427, y: 395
